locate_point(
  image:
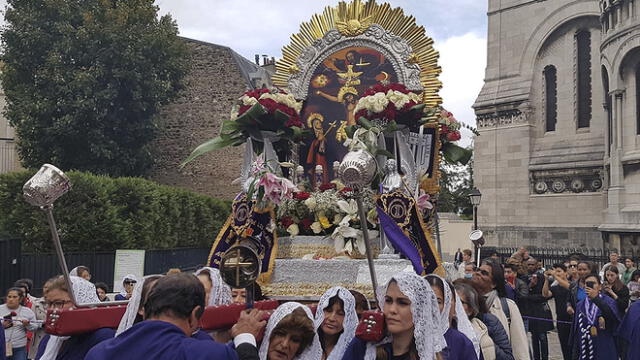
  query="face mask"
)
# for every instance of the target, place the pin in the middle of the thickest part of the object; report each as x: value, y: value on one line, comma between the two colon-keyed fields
x: 468, y: 276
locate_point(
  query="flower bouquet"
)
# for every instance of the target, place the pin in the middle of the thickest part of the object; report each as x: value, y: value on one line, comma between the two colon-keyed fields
x: 267, y: 187
x: 331, y: 211
x: 259, y: 114
x: 450, y: 133
x: 389, y: 107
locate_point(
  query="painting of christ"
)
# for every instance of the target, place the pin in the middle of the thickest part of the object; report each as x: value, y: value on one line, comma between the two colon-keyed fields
x: 335, y: 88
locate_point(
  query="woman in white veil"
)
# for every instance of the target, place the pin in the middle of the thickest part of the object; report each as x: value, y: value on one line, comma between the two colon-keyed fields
x: 291, y: 320
x: 135, y: 307
x: 458, y: 345
x: 58, y: 297
x: 411, y: 315
x: 217, y: 292
x: 336, y: 322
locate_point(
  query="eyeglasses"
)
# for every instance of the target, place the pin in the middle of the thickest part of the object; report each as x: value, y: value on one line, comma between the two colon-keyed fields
x: 573, y: 265
x: 57, y: 305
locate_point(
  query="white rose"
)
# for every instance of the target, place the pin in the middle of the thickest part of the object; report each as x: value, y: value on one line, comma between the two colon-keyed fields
x: 248, y: 101
x: 397, y: 98
x: 311, y: 203
x: 316, y: 227
x: 293, y: 230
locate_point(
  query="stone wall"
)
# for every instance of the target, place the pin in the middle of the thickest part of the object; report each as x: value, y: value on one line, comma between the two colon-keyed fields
x: 214, y: 83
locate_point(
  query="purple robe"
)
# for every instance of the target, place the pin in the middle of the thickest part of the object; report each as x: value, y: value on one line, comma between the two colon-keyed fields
x: 357, y: 349
x: 630, y: 331
x: 3, y: 350
x: 604, y: 343
x: 459, y: 347
x: 76, y: 347
x: 159, y: 340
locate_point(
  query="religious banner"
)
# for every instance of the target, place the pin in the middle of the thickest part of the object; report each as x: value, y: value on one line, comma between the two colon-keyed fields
x: 403, y: 225
x: 248, y: 222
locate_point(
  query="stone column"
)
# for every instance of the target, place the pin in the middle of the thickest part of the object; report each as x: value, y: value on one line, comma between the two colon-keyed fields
x: 616, y: 178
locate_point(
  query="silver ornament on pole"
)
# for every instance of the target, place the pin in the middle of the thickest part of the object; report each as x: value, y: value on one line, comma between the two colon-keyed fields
x: 42, y: 190
x: 357, y: 170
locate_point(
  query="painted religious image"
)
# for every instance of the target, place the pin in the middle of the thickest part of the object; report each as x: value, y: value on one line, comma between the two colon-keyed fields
x: 336, y: 86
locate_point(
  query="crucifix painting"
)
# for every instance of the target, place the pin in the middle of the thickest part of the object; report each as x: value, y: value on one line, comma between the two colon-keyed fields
x: 335, y: 88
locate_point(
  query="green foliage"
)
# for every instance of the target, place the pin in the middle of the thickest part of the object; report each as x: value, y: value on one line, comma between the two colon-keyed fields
x: 456, y: 182
x: 102, y: 213
x: 83, y: 80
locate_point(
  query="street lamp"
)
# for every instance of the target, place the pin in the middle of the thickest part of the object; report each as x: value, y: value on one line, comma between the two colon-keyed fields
x: 474, y: 198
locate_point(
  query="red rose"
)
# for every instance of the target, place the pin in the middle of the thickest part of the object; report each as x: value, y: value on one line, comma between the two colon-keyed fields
x: 389, y: 112
x: 286, y: 221
x: 243, y: 109
x: 453, y: 136
x: 346, y: 190
x: 325, y: 187
x: 306, y: 223
x: 361, y: 113
x: 301, y: 195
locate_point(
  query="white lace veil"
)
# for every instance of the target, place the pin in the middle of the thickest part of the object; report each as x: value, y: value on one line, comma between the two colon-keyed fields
x: 129, y: 317
x: 425, y: 311
x: 350, y: 322
x: 129, y: 277
x: 465, y: 327
x: 314, y: 351
x: 443, y: 316
x: 220, y: 293
x: 84, y: 292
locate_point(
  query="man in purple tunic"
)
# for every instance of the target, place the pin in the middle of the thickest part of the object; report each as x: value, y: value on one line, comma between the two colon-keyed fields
x: 595, y: 324
x: 629, y: 330
x: 172, y: 314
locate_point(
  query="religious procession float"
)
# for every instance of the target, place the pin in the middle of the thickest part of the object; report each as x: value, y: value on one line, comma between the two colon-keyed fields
x: 340, y: 178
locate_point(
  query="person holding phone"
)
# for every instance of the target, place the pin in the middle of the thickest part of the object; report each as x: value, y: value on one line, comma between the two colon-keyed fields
x: 595, y: 324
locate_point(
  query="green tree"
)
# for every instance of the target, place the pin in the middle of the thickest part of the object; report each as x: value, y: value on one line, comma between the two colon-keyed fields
x: 84, y: 78
x: 456, y: 181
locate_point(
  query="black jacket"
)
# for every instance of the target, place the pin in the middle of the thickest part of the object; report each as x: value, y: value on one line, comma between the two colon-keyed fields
x: 498, y: 334
x: 247, y: 351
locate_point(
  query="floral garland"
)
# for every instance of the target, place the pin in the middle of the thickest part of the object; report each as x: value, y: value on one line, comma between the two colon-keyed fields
x: 390, y: 105
x: 450, y: 133
x: 256, y: 114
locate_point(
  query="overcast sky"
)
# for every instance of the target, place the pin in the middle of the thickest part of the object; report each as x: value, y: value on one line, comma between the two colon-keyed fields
x: 264, y: 26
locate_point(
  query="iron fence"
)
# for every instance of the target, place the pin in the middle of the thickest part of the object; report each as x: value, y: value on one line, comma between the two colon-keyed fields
x: 550, y: 256
x: 40, y: 267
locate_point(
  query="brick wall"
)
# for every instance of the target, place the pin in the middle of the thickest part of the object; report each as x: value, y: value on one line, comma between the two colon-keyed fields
x: 214, y: 83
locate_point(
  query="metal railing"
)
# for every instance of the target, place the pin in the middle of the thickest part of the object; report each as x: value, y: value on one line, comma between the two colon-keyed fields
x: 550, y: 256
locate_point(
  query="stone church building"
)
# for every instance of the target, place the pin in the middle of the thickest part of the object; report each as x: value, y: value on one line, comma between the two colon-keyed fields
x: 558, y: 156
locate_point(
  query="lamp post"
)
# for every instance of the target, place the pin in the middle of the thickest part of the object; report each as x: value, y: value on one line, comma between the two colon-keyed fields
x: 474, y: 198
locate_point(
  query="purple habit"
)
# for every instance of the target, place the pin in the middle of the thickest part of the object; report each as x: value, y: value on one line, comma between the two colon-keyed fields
x: 76, y: 347
x: 630, y: 331
x: 459, y: 347
x: 159, y: 340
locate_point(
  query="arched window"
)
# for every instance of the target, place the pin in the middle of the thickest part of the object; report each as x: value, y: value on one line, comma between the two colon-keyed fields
x: 583, y: 41
x: 551, y: 97
x: 638, y: 99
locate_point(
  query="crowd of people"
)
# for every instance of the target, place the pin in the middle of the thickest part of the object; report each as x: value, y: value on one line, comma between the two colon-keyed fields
x: 474, y: 312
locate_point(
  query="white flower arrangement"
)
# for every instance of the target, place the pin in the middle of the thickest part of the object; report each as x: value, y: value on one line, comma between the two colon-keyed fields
x: 284, y: 99
x: 377, y: 102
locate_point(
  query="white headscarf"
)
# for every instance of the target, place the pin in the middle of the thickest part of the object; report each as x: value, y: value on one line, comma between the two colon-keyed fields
x: 74, y: 271
x: 349, y: 324
x: 84, y: 292
x: 220, y: 293
x: 127, y: 277
x: 425, y: 311
x: 129, y: 317
x: 314, y: 351
x: 465, y: 326
x: 443, y: 316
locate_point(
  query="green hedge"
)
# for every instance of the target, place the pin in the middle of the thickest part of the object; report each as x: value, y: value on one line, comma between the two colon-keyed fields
x: 102, y: 213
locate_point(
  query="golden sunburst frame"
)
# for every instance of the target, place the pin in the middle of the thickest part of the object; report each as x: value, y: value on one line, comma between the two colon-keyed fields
x: 354, y: 18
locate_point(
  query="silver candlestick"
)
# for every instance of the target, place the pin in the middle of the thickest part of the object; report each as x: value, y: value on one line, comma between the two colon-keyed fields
x: 357, y: 170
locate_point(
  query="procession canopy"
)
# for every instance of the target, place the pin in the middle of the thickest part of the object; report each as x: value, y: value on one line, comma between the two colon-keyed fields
x: 337, y: 56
